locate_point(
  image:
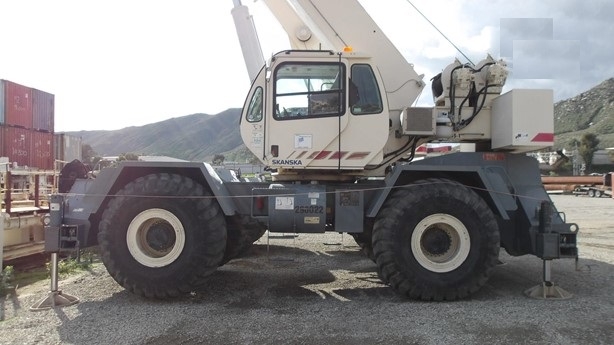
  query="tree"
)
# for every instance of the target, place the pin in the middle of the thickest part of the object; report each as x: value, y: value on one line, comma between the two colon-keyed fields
x: 218, y: 159
x: 573, y: 143
x: 254, y: 160
x: 87, y: 153
x: 128, y: 157
x: 132, y: 156
x: 95, y: 161
x: 587, y: 148
x: 245, y: 155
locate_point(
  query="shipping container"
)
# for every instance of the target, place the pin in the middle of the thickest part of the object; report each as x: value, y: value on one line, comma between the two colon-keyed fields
x: 17, y: 105
x: 42, y: 110
x: 1, y: 102
x: 67, y: 147
x: 3, y: 158
x: 16, y: 145
x: 41, y: 150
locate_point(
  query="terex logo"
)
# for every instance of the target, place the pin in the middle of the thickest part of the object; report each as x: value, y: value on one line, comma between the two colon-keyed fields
x: 287, y: 162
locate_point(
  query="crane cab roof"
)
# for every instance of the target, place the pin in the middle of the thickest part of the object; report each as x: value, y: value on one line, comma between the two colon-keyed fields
x: 319, y: 53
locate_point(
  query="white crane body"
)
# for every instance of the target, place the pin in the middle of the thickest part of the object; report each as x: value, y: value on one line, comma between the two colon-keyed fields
x: 351, y: 140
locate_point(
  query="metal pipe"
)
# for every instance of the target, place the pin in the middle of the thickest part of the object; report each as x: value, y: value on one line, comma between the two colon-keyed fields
x: 8, y: 186
x: 572, y: 179
x: 547, y: 272
x: 37, y: 190
x: 54, y: 272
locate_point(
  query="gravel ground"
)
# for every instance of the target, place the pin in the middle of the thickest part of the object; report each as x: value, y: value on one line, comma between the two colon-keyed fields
x: 319, y: 289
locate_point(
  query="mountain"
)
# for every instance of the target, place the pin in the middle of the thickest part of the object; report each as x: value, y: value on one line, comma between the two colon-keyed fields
x: 195, y: 137
x: 589, y: 112
x: 198, y: 137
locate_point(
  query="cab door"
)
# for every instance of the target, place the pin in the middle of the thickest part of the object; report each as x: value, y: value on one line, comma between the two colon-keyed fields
x: 316, y: 113
x: 308, y: 113
x: 318, y: 120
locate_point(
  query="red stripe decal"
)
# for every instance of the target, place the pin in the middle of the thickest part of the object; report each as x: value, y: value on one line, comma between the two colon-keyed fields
x: 358, y: 155
x: 338, y: 155
x: 323, y: 154
x: 301, y: 155
x: 312, y: 156
x: 544, y: 137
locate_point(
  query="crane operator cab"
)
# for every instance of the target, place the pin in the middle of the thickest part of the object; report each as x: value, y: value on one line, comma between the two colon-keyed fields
x: 331, y: 111
x: 316, y: 110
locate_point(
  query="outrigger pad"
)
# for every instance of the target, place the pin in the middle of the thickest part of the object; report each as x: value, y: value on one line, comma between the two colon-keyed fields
x: 55, y: 299
x: 548, y: 291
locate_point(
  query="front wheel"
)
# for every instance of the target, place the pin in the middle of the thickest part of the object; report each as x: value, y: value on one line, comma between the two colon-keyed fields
x: 161, y: 235
x: 435, y: 240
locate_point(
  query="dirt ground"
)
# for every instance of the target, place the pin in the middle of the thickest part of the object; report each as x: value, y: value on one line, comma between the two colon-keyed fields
x: 315, y: 289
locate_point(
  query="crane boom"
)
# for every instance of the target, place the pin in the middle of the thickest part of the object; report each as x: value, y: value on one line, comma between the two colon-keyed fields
x: 248, y: 39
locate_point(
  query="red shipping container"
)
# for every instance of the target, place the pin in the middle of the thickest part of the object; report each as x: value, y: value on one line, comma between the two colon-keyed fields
x: 17, y: 105
x: 2, y: 102
x: 42, y: 110
x: 16, y: 146
x: 41, y: 150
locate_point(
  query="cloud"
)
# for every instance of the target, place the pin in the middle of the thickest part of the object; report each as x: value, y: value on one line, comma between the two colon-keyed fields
x: 559, y: 44
x: 114, y: 63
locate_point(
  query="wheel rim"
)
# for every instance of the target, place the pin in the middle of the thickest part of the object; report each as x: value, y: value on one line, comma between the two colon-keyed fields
x: 440, y: 243
x: 155, y: 238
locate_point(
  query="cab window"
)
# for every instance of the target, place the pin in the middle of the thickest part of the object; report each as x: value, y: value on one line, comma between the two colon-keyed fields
x: 254, y: 111
x: 305, y: 90
x: 364, y: 96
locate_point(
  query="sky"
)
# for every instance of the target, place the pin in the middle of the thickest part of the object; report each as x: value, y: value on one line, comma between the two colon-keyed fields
x: 113, y: 64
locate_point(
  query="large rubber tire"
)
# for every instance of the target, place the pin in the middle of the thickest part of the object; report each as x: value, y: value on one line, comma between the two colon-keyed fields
x: 243, y: 231
x: 591, y: 193
x: 435, y: 240
x: 364, y: 240
x: 161, y: 235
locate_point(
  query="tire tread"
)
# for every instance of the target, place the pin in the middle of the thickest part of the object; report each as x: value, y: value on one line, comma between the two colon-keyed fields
x: 388, y: 225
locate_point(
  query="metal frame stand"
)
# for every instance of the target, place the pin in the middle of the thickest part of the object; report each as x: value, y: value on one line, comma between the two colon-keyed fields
x: 282, y: 236
x: 547, y: 290
x: 55, y: 298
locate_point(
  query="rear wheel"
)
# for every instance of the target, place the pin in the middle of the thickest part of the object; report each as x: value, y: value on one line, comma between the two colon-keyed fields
x: 364, y: 240
x: 243, y: 231
x: 161, y: 235
x: 435, y: 240
x: 591, y: 193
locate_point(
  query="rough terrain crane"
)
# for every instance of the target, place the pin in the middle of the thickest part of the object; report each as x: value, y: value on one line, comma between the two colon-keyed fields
x: 333, y: 120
